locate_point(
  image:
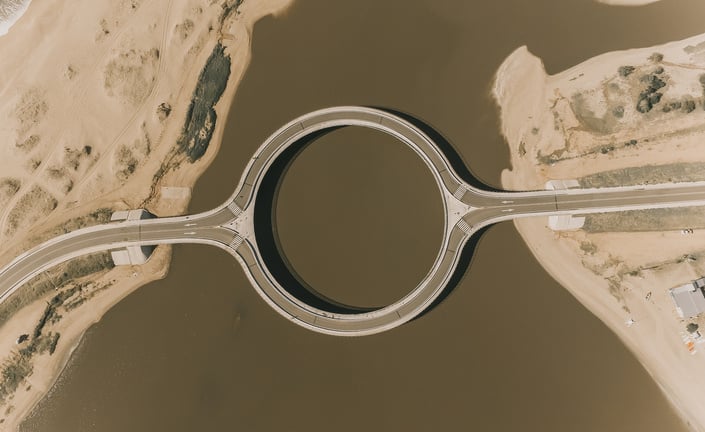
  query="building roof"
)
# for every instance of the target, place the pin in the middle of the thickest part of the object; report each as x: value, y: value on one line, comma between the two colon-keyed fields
x: 689, y: 300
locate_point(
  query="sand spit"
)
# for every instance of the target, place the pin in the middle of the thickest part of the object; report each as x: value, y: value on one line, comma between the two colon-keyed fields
x: 627, y: 2
x: 617, y: 117
x: 94, y: 120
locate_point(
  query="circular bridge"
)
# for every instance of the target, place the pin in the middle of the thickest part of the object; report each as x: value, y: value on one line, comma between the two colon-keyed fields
x: 244, y: 225
x: 267, y: 267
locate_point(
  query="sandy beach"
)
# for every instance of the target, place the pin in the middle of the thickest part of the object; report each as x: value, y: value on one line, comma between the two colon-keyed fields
x: 599, y: 121
x: 95, y: 115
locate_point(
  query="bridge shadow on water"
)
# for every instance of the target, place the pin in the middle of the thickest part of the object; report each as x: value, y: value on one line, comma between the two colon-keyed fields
x: 448, y: 150
x: 268, y: 237
x: 464, y: 262
x: 270, y: 246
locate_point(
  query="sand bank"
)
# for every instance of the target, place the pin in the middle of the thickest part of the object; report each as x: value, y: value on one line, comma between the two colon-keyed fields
x: 94, y: 116
x: 600, y: 115
x: 627, y: 2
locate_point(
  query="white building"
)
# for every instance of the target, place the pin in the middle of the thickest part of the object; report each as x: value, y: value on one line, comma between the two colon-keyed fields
x: 689, y: 298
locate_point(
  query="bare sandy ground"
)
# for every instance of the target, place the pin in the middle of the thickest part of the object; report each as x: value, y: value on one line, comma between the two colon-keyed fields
x: 94, y: 95
x: 589, y: 119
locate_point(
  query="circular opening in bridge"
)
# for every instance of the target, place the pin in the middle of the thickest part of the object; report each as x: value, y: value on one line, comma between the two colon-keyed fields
x: 359, y: 217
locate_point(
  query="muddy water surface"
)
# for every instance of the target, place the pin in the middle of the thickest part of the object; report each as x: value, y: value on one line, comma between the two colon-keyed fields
x: 509, y: 350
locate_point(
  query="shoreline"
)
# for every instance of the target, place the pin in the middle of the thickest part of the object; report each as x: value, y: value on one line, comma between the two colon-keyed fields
x: 7, y: 23
x: 622, y: 277
x: 628, y: 3
x: 236, y: 37
x: 74, y: 329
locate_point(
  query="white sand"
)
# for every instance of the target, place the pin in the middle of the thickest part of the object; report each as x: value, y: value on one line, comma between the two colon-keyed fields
x: 627, y: 2
x: 613, y: 274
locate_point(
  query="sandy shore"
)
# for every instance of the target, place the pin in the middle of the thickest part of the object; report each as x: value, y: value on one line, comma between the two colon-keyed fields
x: 599, y: 116
x: 92, y: 115
x: 112, y: 287
x: 12, y: 12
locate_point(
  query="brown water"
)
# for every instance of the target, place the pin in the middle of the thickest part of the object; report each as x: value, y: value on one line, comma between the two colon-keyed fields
x: 356, y: 227
x: 509, y: 350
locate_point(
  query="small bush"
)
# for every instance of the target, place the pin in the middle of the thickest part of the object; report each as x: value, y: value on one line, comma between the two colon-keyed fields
x: 689, y: 106
x: 643, y: 105
x: 625, y: 71
x: 656, y: 57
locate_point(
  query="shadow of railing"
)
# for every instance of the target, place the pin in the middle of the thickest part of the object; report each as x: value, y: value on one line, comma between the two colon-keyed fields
x: 267, y: 234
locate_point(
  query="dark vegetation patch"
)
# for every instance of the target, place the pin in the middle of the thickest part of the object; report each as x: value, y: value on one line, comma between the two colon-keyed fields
x: 163, y: 110
x: 603, y: 124
x: 559, y: 155
x: 28, y: 144
x: 201, y: 117
x: 9, y: 187
x: 184, y: 29
x: 625, y: 71
x: 18, y: 366
x: 46, y: 282
x: 73, y: 157
x: 666, y: 219
x: 651, y: 95
x: 14, y: 371
x: 229, y: 7
x: 32, y: 206
x: 656, y: 57
x: 126, y: 162
x: 649, y: 174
